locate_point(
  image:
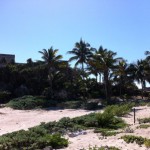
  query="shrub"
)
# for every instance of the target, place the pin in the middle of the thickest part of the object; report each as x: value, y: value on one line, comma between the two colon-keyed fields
x: 36, y: 138
x: 119, y: 110
x: 147, y: 143
x: 27, y: 102
x: 144, y: 120
x: 106, y: 132
x: 131, y: 139
x: 145, y: 126
x: 102, y: 120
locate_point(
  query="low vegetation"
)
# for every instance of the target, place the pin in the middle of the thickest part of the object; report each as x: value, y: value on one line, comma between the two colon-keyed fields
x: 137, y: 139
x: 28, y: 102
x: 145, y: 126
x: 31, y: 140
x: 50, y: 134
x: 144, y: 120
x: 119, y: 110
x: 103, y: 148
x: 106, y: 132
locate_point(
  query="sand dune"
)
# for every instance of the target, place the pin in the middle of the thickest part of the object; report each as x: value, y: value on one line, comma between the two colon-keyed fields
x: 13, y: 120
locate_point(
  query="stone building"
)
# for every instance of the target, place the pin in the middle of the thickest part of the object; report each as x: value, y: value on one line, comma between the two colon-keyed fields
x: 7, y: 58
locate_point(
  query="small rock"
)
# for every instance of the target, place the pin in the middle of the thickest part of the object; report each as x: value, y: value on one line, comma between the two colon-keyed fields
x: 48, y: 148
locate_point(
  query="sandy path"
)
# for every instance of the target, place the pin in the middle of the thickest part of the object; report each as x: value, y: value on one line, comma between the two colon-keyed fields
x: 13, y: 120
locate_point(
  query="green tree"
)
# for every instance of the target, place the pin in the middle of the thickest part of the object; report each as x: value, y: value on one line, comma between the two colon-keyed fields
x: 140, y: 72
x: 105, y: 61
x: 120, y: 74
x: 82, y: 53
x: 52, y: 61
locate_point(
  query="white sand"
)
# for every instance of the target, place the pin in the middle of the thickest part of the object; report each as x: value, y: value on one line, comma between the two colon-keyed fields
x: 13, y: 120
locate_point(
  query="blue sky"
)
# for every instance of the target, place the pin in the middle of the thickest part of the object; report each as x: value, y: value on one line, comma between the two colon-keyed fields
x: 27, y: 26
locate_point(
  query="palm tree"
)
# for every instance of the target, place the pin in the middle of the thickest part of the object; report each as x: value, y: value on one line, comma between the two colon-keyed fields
x: 104, y: 62
x: 52, y: 60
x: 120, y: 74
x: 139, y: 73
x: 147, y: 53
x: 82, y: 53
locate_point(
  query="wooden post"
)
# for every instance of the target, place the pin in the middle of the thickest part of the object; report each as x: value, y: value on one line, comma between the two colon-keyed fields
x: 134, y: 115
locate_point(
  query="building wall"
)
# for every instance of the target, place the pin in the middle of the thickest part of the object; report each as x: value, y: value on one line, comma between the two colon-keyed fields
x: 7, y: 57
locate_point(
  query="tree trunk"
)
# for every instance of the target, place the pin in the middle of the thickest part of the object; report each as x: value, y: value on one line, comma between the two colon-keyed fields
x: 143, y: 88
x: 107, y: 91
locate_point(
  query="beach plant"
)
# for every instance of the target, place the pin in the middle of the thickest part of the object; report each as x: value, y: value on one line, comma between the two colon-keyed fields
x: 144, y: 120
x: 145, y: 126
x: 131, y: 139
x: 147, y: 143
x: 119, y: 110
x: 32, y: 139
x: 27, y: 102
x: 106, y: 132
x: 103, y: 148
x: 137, y: 139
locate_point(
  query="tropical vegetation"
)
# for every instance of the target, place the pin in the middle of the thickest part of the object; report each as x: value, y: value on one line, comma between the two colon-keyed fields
x: 102, y: 74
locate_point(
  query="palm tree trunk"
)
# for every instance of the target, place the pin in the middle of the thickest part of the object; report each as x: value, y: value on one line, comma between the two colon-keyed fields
x: 107, y: 91
x: 143, y: 88
x: 100, y: 81
x: 82, y: 67
x: 96, y: 77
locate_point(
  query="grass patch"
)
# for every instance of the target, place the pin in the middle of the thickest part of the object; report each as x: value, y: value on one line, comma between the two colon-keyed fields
x: 144, y: 126
x: 28, y: 102
x: 106, y: 132
x: 138, y: 139
x: 131, y: 139
x: 144, y: 120
x: 103, y: 148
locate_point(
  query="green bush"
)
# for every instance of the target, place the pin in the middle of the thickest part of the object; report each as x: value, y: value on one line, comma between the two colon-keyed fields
x: 100, y: 120
x: 106, y: 132
x: 119, y: 110
x: 147, y: 143
x: 131, y: 139
x: 27, y: 102
x: 145, y: 126
x: 144, y: 120
x: 37, y: 138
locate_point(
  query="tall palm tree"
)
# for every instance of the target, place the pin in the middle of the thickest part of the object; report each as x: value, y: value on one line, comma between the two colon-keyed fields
x: 105, y: 62
x: 82, y: 53
x: 147, y: 53
x: 52, y: 60
x: 120, y: 74
x: 139, y: 73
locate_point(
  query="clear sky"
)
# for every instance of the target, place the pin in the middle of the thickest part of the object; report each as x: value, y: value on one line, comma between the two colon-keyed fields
x: 27, y: 26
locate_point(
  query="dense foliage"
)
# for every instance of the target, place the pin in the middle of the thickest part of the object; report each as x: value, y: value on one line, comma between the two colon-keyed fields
x: 55, y: 79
